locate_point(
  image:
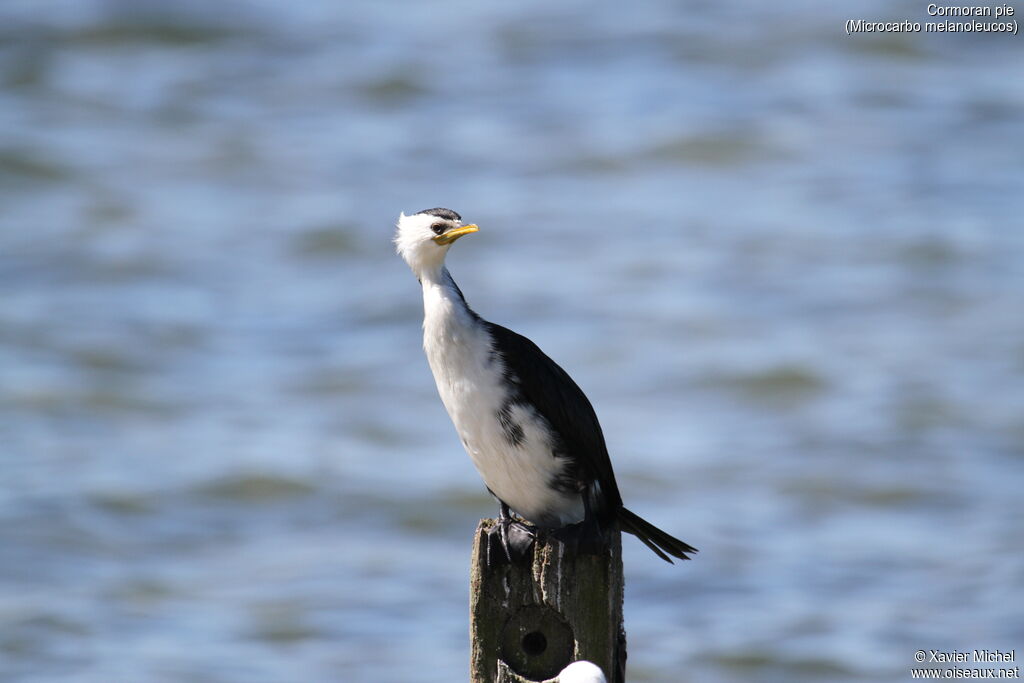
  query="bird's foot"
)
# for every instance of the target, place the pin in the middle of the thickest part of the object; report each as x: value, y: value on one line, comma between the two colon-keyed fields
x: 509, y: 541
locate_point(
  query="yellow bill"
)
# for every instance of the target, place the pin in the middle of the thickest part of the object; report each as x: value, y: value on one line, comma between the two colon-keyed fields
x: 452, y: 235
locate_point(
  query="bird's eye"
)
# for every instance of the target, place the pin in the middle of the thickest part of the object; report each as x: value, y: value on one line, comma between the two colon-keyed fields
x: 438, y: 228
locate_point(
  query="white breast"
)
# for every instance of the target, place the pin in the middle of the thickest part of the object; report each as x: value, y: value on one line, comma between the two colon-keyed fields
x: 470, y: 381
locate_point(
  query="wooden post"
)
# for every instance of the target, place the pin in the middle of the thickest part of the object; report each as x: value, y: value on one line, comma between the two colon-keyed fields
x: 532, y: 617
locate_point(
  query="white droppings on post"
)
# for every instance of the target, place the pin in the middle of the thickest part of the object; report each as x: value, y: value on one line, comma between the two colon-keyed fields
x: 558, y: 574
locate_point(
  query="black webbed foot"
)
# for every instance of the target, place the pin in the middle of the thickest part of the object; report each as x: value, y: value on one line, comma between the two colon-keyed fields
x: 509, y: 540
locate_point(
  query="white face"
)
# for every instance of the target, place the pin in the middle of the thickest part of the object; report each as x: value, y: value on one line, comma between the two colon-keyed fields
x: 423, y: 239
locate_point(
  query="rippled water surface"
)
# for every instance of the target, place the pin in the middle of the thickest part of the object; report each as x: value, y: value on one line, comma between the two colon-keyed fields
x: 786, y: 265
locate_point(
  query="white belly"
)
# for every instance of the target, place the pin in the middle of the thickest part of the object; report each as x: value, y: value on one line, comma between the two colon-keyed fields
x: 520, y: 471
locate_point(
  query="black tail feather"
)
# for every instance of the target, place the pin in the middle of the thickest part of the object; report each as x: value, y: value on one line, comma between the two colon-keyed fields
x: 654, y: 538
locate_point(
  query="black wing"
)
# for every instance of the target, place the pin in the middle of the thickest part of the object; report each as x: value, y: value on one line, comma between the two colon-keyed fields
x: 539, y: 382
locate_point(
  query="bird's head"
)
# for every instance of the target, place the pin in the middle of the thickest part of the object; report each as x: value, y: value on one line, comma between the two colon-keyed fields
x: 423, y: 238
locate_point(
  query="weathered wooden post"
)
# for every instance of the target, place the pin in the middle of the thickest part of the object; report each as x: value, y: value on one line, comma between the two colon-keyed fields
x: 533, y: 616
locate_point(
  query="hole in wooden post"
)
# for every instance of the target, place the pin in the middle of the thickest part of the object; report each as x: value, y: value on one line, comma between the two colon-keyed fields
x: 537, y: 642
x: 534, y: 643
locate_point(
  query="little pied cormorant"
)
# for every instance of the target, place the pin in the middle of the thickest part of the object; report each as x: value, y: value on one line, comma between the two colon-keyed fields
x: 530, y: 431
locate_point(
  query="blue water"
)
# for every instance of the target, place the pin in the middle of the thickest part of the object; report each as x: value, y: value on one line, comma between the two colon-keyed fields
x: 786, y: 265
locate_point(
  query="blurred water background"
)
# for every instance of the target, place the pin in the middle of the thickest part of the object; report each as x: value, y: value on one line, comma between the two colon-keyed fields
x: 786, y: 265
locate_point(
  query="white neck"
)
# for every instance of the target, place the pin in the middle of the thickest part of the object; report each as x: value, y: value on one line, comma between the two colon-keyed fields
x: 433, y: 273
x: 456, y: 344
x: 442, y: 304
